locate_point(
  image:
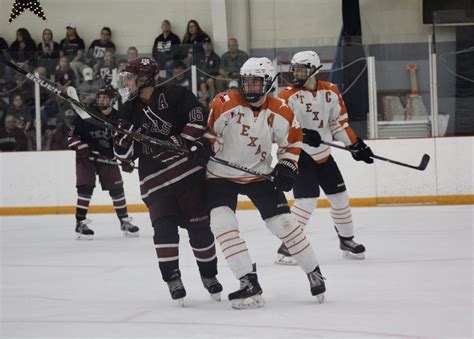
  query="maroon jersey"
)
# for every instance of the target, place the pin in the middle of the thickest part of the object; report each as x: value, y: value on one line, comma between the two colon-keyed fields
x: 172, y: 114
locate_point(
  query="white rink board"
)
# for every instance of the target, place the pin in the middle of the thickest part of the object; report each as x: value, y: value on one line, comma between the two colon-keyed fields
x: 415, y: 282
x: 48, y: 178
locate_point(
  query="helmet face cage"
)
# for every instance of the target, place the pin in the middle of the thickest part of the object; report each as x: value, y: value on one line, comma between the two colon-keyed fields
x: 301, y: 73
x: 127, y: 86
x: 109, y: 92
x: 139, y: 73
x: 256, y: 78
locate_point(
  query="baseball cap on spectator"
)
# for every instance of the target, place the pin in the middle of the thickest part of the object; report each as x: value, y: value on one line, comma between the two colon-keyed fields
x: 234, y: 84
x: 87, y: 74
x: 206, y: 40
x: 71, y: 26
x: 69, y: 113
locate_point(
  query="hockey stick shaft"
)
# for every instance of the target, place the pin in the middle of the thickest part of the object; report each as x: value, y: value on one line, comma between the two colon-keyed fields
x: 107, y: 124
x: 109, y: 162
x: 424, y: 160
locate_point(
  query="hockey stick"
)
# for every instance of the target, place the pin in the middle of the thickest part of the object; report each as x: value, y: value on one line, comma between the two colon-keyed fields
x: 421, y: 167
x: 109, y: 162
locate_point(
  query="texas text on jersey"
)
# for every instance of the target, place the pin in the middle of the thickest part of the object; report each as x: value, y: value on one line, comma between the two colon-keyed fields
x: 158, y: 173
x: 245, y: 135
x: 322, y: 110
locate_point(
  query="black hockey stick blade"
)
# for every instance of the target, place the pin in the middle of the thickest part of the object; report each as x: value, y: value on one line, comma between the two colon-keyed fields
x: 424, y: 162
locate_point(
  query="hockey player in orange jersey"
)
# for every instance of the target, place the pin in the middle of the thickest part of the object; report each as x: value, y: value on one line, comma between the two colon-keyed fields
x: 321, y: 112
x: 245, y: 125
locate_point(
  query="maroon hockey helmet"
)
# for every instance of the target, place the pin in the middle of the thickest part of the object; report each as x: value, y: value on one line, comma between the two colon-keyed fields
x: 137, y: 74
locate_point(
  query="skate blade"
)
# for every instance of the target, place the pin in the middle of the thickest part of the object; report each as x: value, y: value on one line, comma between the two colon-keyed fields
x: 284, y: 260
x: 180, y: 302
x: 255, y: 301
x: 80, y: 236
x: 320, y: 298
x: 353, y: 256
x: 127, y: 234
x: 216, y: 296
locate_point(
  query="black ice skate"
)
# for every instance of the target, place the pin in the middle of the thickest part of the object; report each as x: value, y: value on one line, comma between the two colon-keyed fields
x: 284, y: 257
x: 176, y: 288
x: 83, y: 232
x: 316, y: 282
x: 128, y: 229
x: 250, y: 293
x: 351, y: 249
x: 213, y: 286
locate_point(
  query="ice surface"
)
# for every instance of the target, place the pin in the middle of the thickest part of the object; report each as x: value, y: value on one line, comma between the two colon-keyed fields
x: 417, y: 280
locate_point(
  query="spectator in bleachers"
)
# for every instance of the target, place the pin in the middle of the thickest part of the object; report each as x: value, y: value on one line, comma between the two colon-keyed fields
x: 48, y: 51
x: 72, y: 47
x: 207, y: 63
x: 5, y: 53
x: 89, y: 88
x: 22, y: 113
x: 60, y: 135
x: 64, y: 75
x: 231, y: 62
x: 181, y: 78
x: 194, y: 37
x: 3, y: 112
x: 105, y: 67
x: 22, y: 53
x: 162, y: 46
x: 24, y: 88
x: 233, y: 86
x: 98, y: 47
x: 132, y: 53
x: 12, y: 138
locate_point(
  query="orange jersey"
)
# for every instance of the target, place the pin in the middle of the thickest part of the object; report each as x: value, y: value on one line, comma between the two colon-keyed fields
x: 245, y: 136
x: 322, y: 110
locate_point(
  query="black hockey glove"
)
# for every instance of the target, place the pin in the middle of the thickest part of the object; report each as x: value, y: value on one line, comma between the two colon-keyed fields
x: 120, y: 139
x: 127, y: 166
x: 362, y: 151
x: 285, y: 173
x: 311, y: 137
x: 200, y: 151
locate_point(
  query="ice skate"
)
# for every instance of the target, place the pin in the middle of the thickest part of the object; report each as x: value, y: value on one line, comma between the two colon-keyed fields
x: 83, y: 232
x: 129, y: 230
x: 249, y: 295
x: 176, y: 288
x: 284, y: 257
x: 213, y: 286
x: 351, y: 249
x: 316, y: 282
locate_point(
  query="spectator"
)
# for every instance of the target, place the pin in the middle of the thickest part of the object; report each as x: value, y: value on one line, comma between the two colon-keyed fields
x: 208, y: 68
x: 194, y: 37
x: 105, y: 68
x: 88, y: 89
x: 22, y: 53
x: 72, y: 47
x: 64, y: 76
x: 12, y: 138
x: 21, y: 112
x: 162, y: 47
x: 5, y: 53
x: 3, y: 112
x: 24, y: 88
x: 231, y: 62
x: 132, y: 53
x: 233, y: 86
x: 48, y: 51
x: 98, y: 47
x: 180, y: 77
x: 60, y: 134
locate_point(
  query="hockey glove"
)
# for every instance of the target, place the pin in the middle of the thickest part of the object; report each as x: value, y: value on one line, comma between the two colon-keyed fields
x: 361, y: 152
x: 120, y: 139
x: 285, y: 173
x: 311, y: 137
x: 127, y: 166
x: 200, y: 151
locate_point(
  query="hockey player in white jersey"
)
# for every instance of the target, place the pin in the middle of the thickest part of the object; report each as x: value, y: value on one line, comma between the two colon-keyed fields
x: 322, y: 114
x: 245, y: 125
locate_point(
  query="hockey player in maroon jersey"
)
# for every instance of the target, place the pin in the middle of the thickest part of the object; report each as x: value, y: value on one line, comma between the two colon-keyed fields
x: 171, y: 183
x: 91, y: 143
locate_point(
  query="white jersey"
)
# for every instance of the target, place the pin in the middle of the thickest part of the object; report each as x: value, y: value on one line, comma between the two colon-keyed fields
x: 322, y: 110
x: 245, y: 137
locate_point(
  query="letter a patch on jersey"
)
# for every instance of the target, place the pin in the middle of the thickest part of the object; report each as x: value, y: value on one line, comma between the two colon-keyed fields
x: 162, y: 104
x: 224, y: 98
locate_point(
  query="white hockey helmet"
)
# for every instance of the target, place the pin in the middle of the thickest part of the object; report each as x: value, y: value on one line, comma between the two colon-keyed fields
x: 257, y: 76
x: 310, y: 61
